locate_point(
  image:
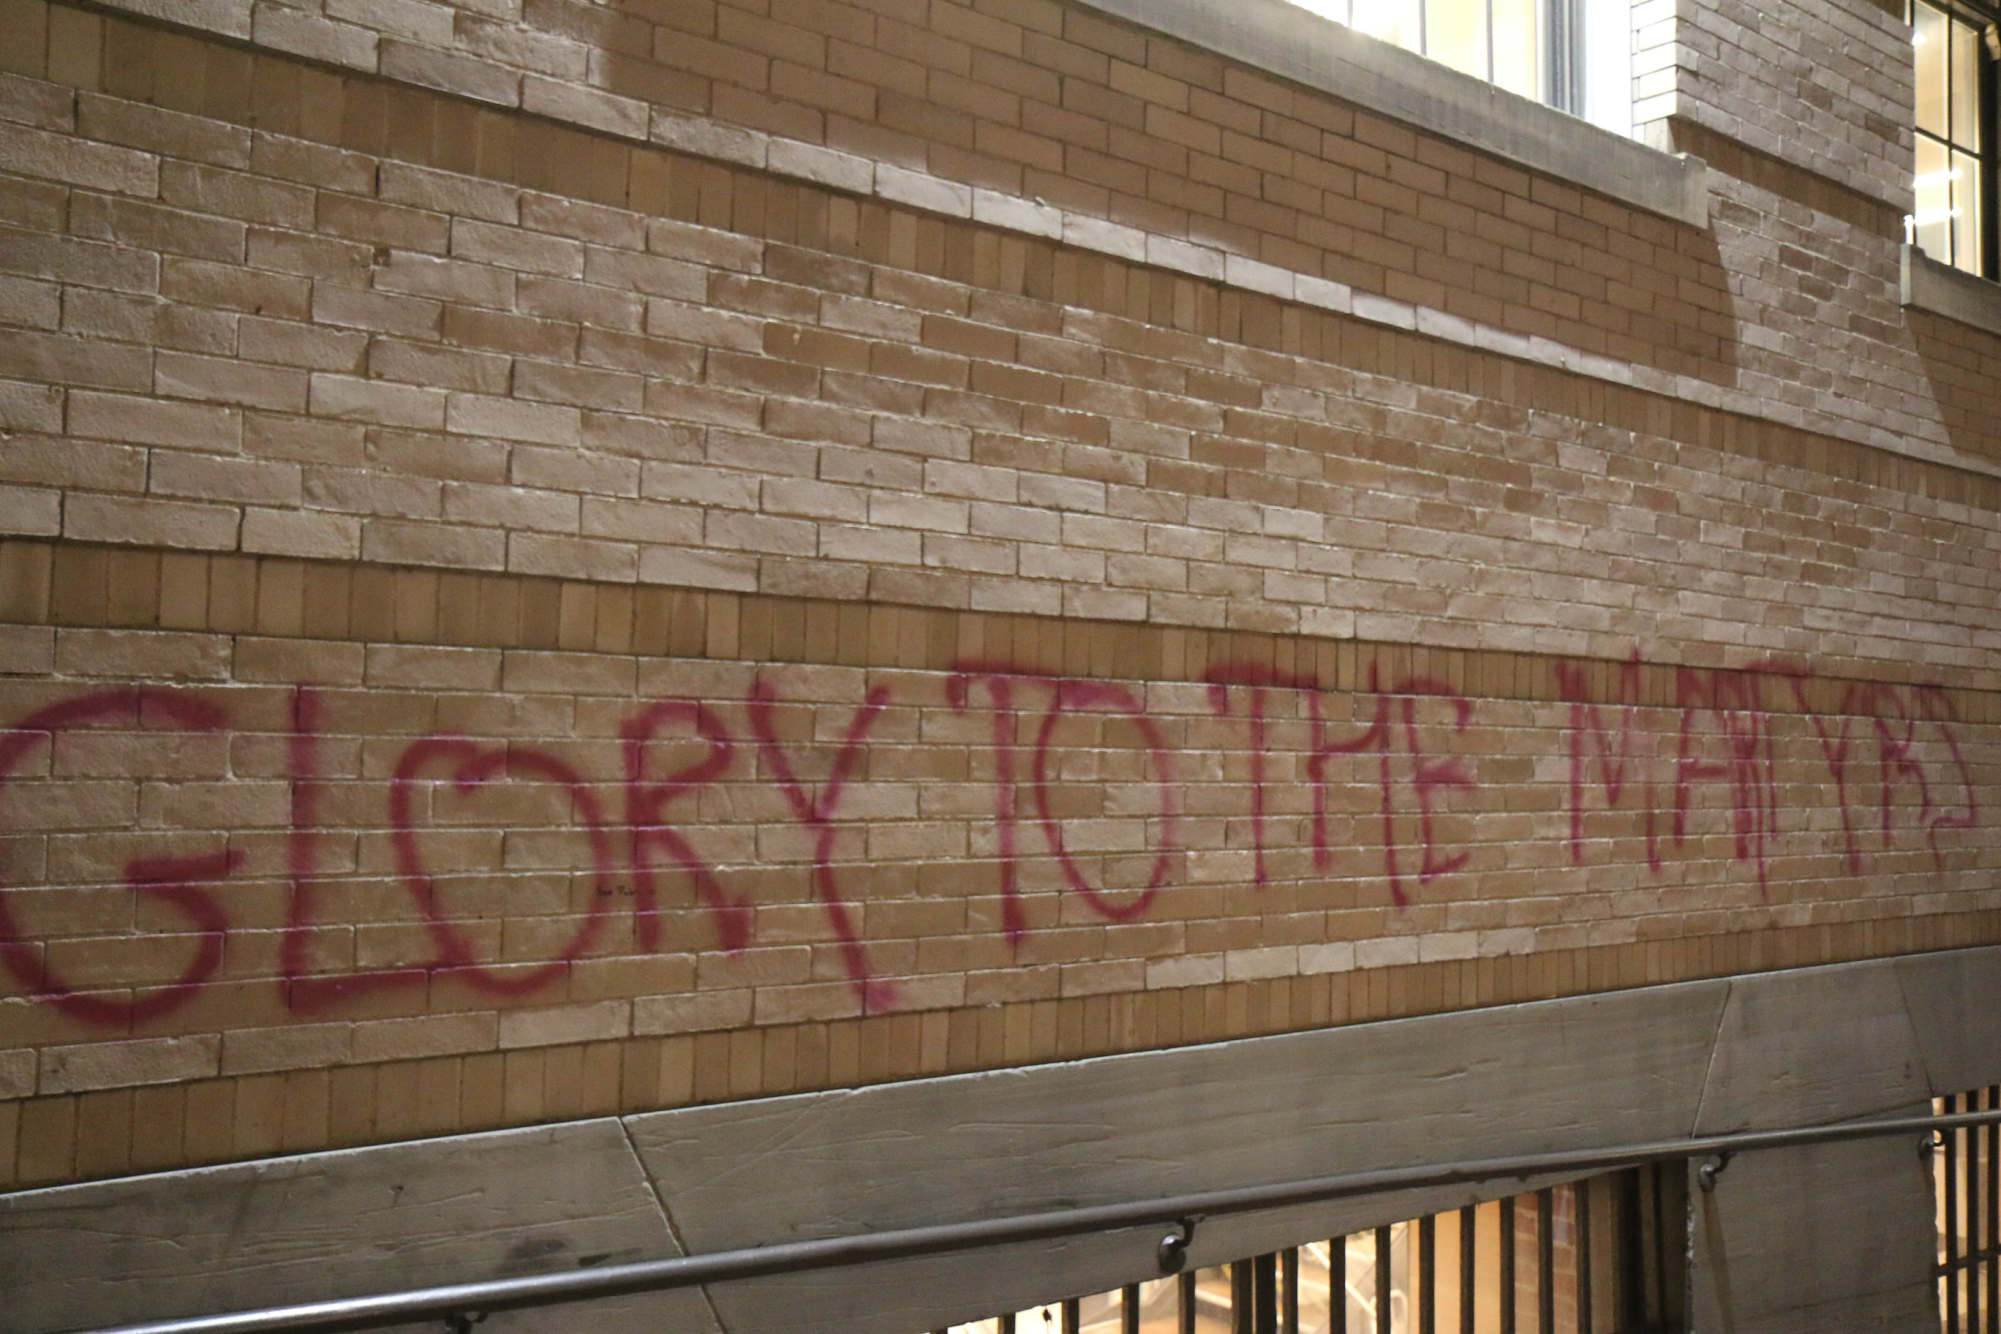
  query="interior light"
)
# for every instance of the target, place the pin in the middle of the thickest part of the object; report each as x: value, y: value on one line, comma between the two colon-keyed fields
x: 1935, y: 178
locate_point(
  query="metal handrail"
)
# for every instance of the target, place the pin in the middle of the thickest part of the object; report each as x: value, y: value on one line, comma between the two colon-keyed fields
x: 460, y: 1303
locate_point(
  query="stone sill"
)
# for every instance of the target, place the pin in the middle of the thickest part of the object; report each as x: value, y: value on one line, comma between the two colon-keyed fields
x: 1953, y: 293
x: 1283, y: 39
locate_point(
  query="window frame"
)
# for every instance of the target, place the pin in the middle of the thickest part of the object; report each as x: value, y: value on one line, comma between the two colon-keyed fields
x: 1988, y: 195
x: 1557, y: 45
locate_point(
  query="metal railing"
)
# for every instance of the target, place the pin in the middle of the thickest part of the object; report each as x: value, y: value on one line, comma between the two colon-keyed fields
x: 1534, y: 1263
x: 1966, y: 1176
x: 461, y: 1304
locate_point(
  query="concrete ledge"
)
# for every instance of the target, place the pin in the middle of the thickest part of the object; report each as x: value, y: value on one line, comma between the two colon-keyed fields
x: 1791, y: 1240
x: 1953, y: 293
x: 1284, y: 39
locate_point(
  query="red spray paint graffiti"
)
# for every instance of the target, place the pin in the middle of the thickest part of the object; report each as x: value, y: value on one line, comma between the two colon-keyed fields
x: 1074, y: 696
x: 1722, y: 727
x: 1613, y: 765
x: 646, y: 819
x: 1738, y: 753
x: 816, y: 812
x: 474, y: 768
x: 1260, y: 680
x: 171, y: 879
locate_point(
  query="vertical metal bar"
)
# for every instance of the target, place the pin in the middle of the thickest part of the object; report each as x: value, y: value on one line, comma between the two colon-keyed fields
x: 1382, y: 1281
x: 1951, y: 1221
x: 1508, y: 1266
x: 1629, y: 1286
x: 1337, y: 1286
x: 1289, y: 1291
x: 1467, y: 1217
x: 1969, y: 1230
x: 1264, y: 1294
x: 1976, y: 1215
x: 1990, y: 252
x: 1073, y: 1321
x: 1129, y: 1309
x: 1658, y: 1214
x: 1580, y: 1201
x: 1243, y: 1301
x: 1186, y: 1306
x: 1427, y: 1274
x: 1545, y: 1261
x: 1007, y: 1324
x: 1991, y: 1267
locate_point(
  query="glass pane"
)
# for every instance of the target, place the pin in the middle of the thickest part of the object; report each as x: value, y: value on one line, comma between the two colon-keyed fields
x: 1930, y: 223
x: 1516, y: 67
x: 1455, y: 34
x: 1395, y: 21
x: 1966, y: 211
x: 1928, y: 37
x: 1965, y: 85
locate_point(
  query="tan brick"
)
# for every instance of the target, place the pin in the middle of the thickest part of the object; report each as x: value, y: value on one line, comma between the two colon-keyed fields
x: 307, y: 346
x: 95, y: 1065
x: 402, y: 666
x: 315, y: 38
x: 17, y: 1074
x: 295, y: 1047
x: 429, y: 68
x: 511, y: 419
x: 299, y: 533
x: 236, y: 194
x: 129, y: 653
x: 230, y: 287
x: 349, y: 398
x: 27, y: 511
x: 573, y: 557
x: 605, y: 1020
x: 449, y: 192
x: 397, y: 543
x: 30, y: 407
x: 172, y: 134
x: 147, y: 421
x: 217, y: 379
x: 161, y: 523
x: 239, y: 481
x: 427, y: 1035
x: 56, y: 157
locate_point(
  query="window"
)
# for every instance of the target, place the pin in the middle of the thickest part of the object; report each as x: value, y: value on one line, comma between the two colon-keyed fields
x: 1526, y: 46
x: 1574, y: 55
x: 1954, y: 179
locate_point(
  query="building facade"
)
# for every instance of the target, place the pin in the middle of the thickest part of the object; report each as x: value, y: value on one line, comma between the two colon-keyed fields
x: 706, y: 621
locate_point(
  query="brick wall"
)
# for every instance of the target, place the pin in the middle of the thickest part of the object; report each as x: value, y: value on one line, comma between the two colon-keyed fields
x: 1827, y: 88
x: 426, y: 432
x: 1961, y: 364
x: 322, y: 352
x: 274, y: 822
